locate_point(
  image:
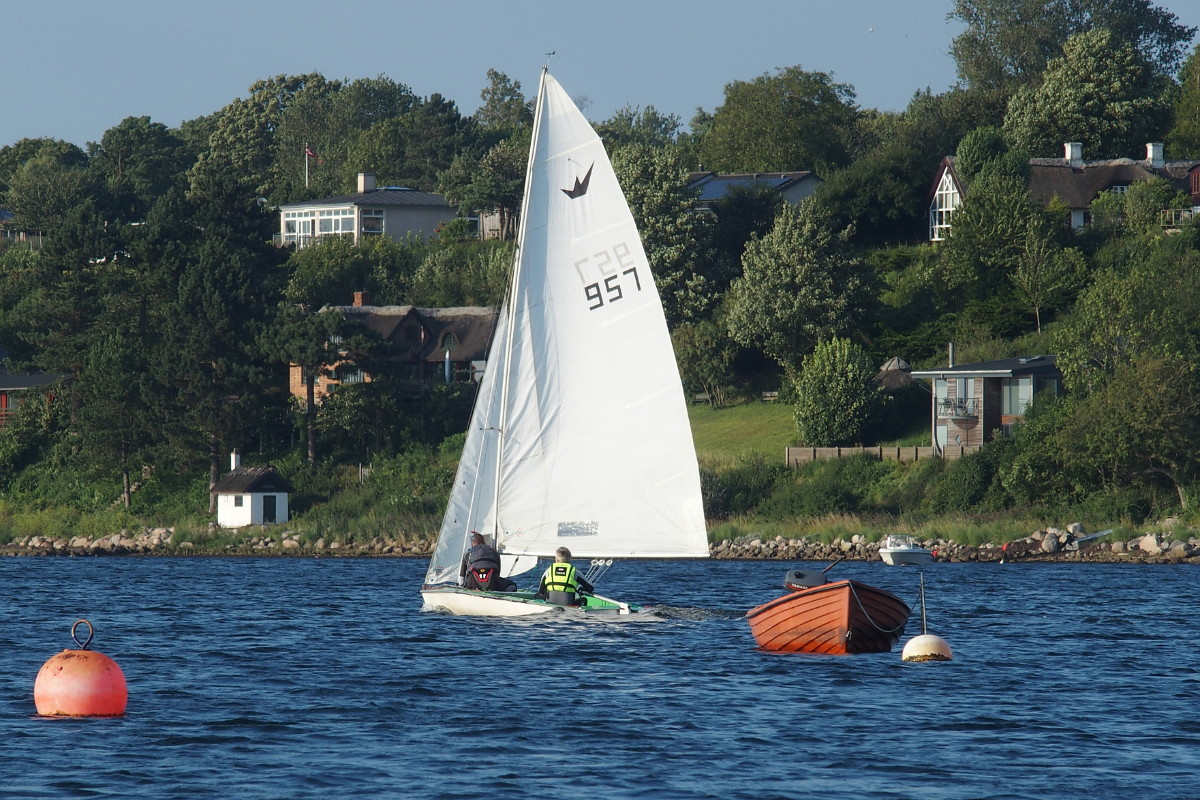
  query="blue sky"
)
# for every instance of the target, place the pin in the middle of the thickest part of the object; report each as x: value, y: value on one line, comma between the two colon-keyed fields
x: 72, y: 69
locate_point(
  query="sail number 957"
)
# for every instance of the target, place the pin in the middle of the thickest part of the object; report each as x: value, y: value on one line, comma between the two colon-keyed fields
x: 620, y: 276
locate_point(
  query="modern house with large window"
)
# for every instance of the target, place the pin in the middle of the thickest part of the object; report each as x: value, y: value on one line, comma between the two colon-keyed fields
x: 1072, y: 180
x: 973, y: 402
x: 392, y: 211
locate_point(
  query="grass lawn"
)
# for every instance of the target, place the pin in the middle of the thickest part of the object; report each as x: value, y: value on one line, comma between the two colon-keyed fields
x: 723, y: 435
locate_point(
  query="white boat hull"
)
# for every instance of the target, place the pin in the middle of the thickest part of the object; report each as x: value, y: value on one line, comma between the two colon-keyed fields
x: 906, y: 557
x: 467, y: 602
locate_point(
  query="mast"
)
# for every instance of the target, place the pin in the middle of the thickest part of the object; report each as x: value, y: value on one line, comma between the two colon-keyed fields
x: 514, y: 282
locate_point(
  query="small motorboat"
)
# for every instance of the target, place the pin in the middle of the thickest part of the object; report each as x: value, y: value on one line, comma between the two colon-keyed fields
x: 829, y: 617
x: 901, y: 550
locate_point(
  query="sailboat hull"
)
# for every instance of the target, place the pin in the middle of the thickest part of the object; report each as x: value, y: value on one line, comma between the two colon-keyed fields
x: 468, y: 602
x: 837, y: 618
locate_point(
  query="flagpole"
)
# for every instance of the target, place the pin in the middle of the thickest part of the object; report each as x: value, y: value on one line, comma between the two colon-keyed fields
x: 306, y: 165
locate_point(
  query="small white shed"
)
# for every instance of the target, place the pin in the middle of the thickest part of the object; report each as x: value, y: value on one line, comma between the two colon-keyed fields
x: 251, y: 496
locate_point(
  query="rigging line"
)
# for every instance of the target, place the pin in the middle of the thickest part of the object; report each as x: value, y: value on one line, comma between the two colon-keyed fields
x: 867, y: 614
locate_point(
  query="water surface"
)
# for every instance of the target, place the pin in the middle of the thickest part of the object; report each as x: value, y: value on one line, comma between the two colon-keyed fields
x: 321, y: 678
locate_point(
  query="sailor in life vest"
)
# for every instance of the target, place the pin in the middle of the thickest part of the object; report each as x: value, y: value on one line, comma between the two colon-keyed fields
x: 561, y: 583
x: 481, y: 568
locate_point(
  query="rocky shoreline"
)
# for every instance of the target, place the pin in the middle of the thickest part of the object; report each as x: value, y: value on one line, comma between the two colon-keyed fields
x: 1050, y: 544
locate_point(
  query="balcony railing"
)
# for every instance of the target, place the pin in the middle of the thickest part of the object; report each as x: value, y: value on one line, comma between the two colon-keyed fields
x: 1172, y: 219
x: 954, y: 407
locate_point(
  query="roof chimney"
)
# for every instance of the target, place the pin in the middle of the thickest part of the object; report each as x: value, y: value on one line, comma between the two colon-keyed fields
x: 361, y: 299
x: 235, y: 460
x: 1154, y: 154
x: 366, y: 182
x: 951, y: 355
x: 1073, y: 153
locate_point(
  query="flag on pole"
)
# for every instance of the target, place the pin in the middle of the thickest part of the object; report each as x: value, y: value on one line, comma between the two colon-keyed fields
x: 308, y: 152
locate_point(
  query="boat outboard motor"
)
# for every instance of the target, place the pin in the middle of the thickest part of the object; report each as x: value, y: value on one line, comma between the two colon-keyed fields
x: 800, y: 579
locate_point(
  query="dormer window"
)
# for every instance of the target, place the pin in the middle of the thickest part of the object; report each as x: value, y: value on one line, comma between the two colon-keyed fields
x: 449, y: 342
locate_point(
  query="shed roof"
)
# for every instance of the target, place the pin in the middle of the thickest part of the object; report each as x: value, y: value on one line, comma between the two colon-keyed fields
x: 1004, y: 367
x: 251, y: 480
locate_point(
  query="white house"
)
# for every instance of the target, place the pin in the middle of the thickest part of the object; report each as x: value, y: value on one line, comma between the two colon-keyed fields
x: 251, y: 496
x: 392, y: 211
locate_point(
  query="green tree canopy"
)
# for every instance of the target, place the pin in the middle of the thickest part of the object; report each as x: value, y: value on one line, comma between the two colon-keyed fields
x: 677, y: 240
x: 799, y: 285
x: 1100, y: 92
x: 836, y: 395
x: 1183, y: 141
x: 791, y: 120
x: 137, y: 162
x: 1009, y: 43
x: 505, y: 109
x: 646, y: 126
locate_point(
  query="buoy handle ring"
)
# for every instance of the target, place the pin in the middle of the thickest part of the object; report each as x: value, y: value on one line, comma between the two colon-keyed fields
x: 91, y: 633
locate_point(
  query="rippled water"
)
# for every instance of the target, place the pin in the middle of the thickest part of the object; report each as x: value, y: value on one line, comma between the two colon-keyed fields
x: 320, y: 678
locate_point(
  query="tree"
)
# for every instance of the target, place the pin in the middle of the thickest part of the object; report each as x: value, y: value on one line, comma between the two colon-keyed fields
x: 799, y: 285
x: 302, y: 338
x: 14, y: 156
x: 645, y: 126
x: 676, y: 239
x: 137, y: 162
x: 1137, y: 210
x: 505, y: 109
x: 1099, y: 92
x: 43, y: 190
x: 469, y: 273
x: 705, y: 354
x: 491, y: 183
x: 1142, y: 425
x: 1142, y: 303
x: 977, y: 150
x: 988, y: 240
x: 1183, y: 141
x: 1044, y: 272
x: 787, y: 121
x: 836, y: 395
x: 1008, y: 43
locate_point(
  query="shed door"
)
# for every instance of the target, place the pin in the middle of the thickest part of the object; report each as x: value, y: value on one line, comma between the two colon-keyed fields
x: 268, y: 509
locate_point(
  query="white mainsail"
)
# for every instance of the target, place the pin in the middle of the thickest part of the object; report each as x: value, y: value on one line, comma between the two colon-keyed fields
x: 580, y: 434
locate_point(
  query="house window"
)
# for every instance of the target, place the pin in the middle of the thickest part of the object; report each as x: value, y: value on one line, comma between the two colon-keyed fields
x: 1015, y: 395
x: 336, y: 221
x: 372, y: 221
x: 1119, y: 188
x: 237, y: 501
x: 349, y: 374
x: 449, y: 342
x: 945, y: 201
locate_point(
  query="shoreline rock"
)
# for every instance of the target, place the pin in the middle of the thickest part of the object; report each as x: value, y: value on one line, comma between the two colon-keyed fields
x: 1049, y: 544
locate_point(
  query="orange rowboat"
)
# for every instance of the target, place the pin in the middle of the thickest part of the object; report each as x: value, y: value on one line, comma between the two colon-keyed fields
x: 836, y: 618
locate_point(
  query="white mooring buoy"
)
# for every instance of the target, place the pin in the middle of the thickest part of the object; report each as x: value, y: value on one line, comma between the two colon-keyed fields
x: 926, y: 647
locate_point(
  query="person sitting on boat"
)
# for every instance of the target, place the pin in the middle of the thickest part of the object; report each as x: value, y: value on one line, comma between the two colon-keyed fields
x: 562, y: 583
x: 481, y: 568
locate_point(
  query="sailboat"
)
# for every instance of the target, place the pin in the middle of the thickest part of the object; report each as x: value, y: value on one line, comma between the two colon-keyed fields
x: 580, y: 435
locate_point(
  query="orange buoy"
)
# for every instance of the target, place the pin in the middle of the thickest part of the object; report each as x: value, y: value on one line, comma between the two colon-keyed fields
x: 80, y: 683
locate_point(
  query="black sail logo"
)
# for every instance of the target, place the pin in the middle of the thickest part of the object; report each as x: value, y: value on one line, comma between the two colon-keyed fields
x: 581, y: 186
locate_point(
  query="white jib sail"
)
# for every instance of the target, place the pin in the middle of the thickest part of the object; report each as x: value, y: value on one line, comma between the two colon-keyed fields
x: 597, y: 448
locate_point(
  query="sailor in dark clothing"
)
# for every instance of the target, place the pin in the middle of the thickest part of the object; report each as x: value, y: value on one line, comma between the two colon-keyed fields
x: 481, y: 568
